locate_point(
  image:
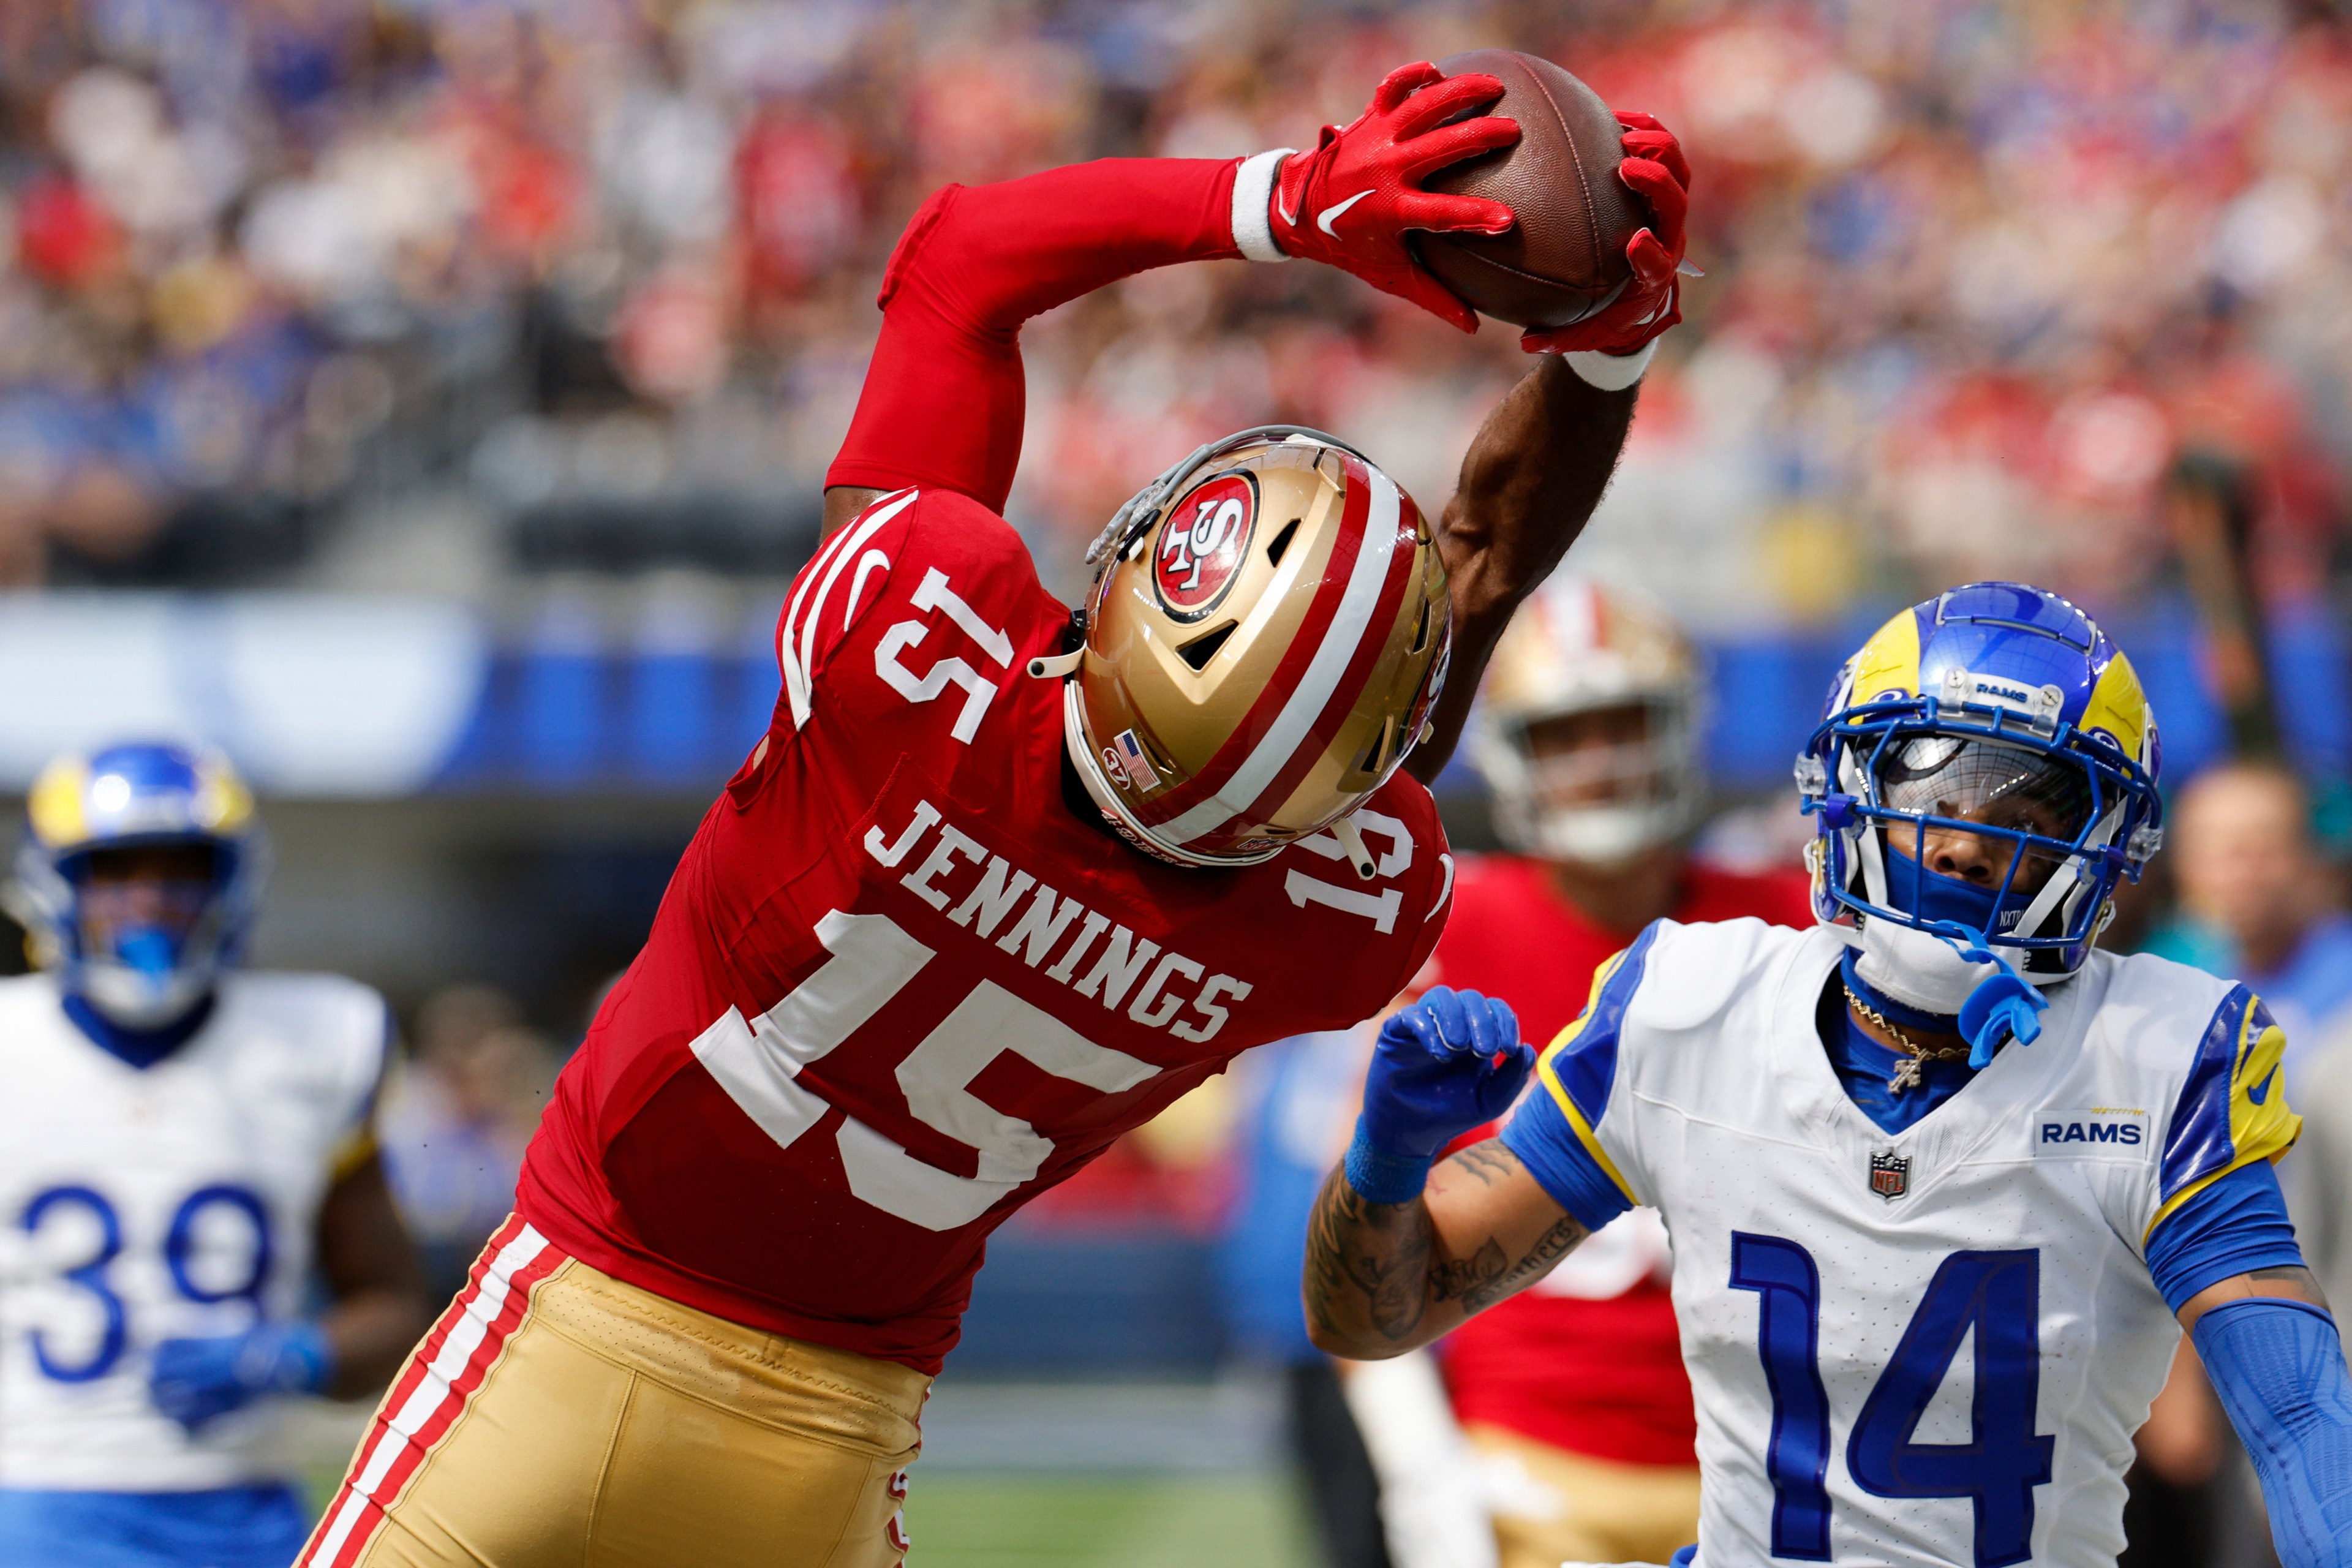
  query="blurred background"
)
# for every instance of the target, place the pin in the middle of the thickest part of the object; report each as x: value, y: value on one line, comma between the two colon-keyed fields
x: 427, y: 401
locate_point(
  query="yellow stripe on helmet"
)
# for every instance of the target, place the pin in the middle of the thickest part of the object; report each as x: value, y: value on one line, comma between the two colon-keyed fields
x: 55, y: 804
x: 223, y: 803
x: 1889, y: 662
x: 2119, y: 706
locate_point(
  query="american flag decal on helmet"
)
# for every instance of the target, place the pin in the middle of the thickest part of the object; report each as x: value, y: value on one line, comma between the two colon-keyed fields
x: 1890, y: 1176
x: 1139, y: 769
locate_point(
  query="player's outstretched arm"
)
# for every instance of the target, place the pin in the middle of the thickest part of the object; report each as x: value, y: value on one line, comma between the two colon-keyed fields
x: 1397, y: 1254
x: 944, y: 396
x: 942, y: 400
x: 1539, y: 463
x: 1532, y: 476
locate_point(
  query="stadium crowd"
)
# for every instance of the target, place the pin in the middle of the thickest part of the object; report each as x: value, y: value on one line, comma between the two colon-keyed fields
x: 1983, y: 275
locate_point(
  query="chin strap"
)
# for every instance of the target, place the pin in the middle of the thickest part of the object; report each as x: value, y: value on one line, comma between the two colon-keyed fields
x: 2004, y: 1003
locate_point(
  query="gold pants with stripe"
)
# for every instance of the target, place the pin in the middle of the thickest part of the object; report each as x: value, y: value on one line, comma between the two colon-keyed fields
x: 1574, y: 1507
x: 556, y: 1415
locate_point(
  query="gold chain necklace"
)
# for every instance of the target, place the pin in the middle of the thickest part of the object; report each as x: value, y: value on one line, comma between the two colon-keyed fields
x: 1907, y: 1075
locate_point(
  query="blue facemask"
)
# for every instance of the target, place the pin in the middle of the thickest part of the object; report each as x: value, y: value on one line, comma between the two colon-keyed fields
x: 1994, y: 1002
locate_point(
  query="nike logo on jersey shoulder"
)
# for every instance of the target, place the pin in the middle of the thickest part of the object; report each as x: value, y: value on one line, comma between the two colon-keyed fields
x: 1331, y: 214
x: 2261, y: 1092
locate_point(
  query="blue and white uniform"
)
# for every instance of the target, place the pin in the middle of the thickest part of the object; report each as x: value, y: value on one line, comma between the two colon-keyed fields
x: 175, y: 1201
x: 1931, y: 1345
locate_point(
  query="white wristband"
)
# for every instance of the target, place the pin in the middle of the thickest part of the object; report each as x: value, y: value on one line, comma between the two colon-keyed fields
x: 1610, y: 373
x: 1253, y: 196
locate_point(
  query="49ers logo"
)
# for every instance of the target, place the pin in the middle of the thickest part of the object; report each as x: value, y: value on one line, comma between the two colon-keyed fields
x: 1203, y: 543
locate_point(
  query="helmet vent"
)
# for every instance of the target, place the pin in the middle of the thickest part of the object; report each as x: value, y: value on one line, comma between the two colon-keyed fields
x: 1420, y: 631
x: 1203, y: 649
x: 1274, y: 551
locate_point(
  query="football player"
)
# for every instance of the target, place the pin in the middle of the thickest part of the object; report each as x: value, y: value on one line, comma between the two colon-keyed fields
x: 184, y: 1149
x: 1001, y: 881
x: 1944, y: 1181
x: 1572, y: 1396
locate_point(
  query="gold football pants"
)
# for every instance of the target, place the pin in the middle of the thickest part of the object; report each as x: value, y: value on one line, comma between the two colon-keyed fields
x: 1573, y: 1508
x: 555, y: 1416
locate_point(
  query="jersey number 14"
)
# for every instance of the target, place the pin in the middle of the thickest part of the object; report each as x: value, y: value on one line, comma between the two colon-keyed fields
x: 1996, y: 1294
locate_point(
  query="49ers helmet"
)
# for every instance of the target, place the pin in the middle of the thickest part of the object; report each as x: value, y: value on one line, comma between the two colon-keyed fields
x: 1582, y: 647
x: 1267, y: 628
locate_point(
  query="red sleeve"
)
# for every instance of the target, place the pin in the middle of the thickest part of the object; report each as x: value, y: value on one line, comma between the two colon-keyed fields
x: 944, y: 396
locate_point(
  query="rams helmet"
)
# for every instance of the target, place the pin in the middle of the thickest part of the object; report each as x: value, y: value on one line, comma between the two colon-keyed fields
x: 144, y: 964
x: 2003, y: 711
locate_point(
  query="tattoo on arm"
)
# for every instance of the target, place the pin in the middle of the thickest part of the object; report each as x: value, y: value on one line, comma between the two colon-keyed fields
x: 1375, y: 1270
x: 1549, y: 1249
x: 1366, y: 1261
x: 1485, y: 1161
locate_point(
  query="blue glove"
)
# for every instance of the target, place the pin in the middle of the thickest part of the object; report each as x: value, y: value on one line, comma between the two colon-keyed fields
x: 192, y: 1381
x: 1443, y: 1066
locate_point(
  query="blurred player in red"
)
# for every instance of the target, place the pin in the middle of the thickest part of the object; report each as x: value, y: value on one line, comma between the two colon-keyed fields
x: 1001, y: 883
x: 1572, y: 1395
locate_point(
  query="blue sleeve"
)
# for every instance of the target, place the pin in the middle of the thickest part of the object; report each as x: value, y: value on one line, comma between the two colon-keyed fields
x: 1552, y: 1130
x: 1548, y: 1147
x: 2233, y: 1226
x: 2278, y: 1367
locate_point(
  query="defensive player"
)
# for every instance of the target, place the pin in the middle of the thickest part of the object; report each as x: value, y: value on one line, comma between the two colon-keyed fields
x: 1941, y: 1176
x: 184, y: 1149
x: 1572, y: 1396
x: 998, y: 884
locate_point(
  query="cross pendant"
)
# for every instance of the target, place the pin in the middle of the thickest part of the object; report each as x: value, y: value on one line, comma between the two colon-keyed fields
x: 1905, y: 1077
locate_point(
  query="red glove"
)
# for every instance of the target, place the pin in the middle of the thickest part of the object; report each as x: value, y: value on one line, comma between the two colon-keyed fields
x: 1350, y: 202
x: 1656, y: 169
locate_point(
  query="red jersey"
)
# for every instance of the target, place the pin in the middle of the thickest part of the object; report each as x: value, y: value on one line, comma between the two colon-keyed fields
x: 899, y: 986
x: 1588, y: 1358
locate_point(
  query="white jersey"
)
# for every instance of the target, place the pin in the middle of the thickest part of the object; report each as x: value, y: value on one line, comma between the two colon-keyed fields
x: 1928, y: 1347
x: 179, y: 1201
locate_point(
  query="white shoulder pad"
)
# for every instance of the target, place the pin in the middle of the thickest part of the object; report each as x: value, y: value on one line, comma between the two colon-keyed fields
x: 1695, y: 973
x: 2151, y: 1009
x: 338, y: 1030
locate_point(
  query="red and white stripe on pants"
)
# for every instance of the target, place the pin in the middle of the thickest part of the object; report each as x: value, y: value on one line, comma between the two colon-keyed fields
x: 432, y: 1389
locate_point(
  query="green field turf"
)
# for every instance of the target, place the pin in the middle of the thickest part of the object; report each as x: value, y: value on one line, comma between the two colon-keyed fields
x: 978, y: 1520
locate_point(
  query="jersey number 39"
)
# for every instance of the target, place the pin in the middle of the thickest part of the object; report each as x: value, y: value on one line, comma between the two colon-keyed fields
x: 182, y: 1249
x: 1996, y: 1294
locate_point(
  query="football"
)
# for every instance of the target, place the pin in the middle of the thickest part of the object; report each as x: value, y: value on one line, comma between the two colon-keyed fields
x: 1565, y: 256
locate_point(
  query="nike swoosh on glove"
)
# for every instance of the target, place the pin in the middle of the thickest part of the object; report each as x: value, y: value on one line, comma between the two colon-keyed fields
x: 1441, y: 1066
x: 1350, y: 202
x: 1656, y: 171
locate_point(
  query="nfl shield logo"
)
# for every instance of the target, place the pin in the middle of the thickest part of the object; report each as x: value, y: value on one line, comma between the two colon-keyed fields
x: 1890, y: 1176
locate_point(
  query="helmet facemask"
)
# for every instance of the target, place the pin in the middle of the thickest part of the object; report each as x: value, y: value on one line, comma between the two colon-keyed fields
x: 1599, y: 785
x: 1587, y: 727
x: 1958, y: 843
x: 139, y: 879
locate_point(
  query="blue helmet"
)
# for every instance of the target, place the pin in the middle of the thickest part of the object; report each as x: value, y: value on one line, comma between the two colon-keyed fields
x: 143, y: 965
x: 2002, y: 712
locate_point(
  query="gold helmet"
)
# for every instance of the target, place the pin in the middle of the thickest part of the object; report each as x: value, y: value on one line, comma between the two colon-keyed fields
x: 1267, y: 628
x: 1612, y: 790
